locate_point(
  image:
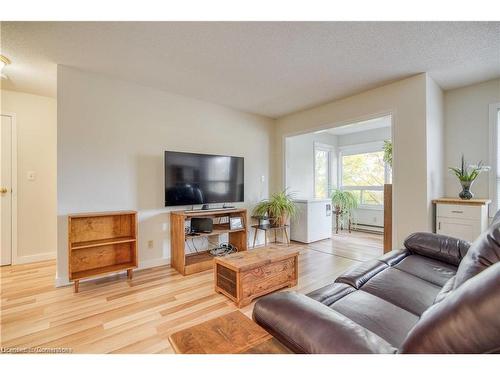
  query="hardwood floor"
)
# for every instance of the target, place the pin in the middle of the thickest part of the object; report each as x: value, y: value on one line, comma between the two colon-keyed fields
x: 359, y: 246
x: 117, y: 315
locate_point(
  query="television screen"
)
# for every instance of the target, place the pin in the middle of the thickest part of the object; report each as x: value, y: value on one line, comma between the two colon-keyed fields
x: 202, y: 179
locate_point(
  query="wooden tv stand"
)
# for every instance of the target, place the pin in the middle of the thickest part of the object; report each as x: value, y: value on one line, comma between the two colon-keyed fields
x: 187, y: 264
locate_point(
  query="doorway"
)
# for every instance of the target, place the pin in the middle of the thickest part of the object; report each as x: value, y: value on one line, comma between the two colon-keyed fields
x: 346, y: 160
x: 8, y: 189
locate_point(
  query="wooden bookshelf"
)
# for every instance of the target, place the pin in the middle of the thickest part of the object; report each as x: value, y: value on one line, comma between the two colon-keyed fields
x: 101, y: 243
x: 187, y: 264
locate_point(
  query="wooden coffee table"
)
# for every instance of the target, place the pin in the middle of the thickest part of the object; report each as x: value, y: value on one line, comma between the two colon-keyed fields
x: 232, y: 333
x: 249, y: 274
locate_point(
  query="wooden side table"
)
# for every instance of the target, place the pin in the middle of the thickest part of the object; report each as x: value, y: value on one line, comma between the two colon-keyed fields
x: 266, y: 228
x: 232, y: 333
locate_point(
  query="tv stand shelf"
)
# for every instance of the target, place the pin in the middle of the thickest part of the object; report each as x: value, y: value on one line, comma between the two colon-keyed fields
x: 217, y: 231
x: 187, y: 264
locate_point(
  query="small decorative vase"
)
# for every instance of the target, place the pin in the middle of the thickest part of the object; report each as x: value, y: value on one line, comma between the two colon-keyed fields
x: 466, y: 193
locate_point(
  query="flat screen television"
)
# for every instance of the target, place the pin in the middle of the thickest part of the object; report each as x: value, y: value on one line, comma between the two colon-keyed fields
x: 192, y: 179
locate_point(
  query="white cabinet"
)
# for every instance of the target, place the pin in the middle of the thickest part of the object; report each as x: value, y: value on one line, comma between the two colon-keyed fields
x: 464, y: 219
x: 313, y: 221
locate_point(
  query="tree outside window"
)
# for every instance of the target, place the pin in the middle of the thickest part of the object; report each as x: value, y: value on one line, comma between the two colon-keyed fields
x: 365, y: 174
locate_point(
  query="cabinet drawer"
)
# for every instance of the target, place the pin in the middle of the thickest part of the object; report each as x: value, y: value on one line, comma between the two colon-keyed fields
x: 459, y: 211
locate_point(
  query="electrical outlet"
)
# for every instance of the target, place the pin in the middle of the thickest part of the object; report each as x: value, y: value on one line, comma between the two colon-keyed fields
x: 150, y: 244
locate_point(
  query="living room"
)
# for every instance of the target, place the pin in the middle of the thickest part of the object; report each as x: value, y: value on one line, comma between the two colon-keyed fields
x: 163, y: 187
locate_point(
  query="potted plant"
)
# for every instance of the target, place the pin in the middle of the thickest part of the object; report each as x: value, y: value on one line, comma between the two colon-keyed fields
x: 345, y: 202
x: 466, y: 175
x: 279, y: 208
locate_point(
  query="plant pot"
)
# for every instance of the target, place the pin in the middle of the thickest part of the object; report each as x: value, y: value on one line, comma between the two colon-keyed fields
x: 280, y: 221
x: 466, y: 194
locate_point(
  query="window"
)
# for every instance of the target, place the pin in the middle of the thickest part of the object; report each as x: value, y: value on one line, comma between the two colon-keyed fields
x: 364, y: 172
x: 322, y: 171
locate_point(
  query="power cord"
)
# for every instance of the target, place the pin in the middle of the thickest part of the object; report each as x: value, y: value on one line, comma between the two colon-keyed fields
x: 223, y: 250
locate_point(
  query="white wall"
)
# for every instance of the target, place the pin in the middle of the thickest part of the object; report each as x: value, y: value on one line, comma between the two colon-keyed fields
x: 373, y: 135
x: 435, y: 144
x: 36, y: 118
x: 406, y: 101
x: 467, y: 132
x: 111, y: 139
x: 300, y: 162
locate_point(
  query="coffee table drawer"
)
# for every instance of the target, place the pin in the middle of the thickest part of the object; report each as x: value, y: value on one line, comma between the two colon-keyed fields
x: 267, y: 277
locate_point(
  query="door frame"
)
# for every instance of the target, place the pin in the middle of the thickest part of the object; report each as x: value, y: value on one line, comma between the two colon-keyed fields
x: 373, y: 115
x: 14, y: 185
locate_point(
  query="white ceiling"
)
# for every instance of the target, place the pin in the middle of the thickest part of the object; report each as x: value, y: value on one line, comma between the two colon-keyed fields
x: 272, y: 68
x: 375, y: 123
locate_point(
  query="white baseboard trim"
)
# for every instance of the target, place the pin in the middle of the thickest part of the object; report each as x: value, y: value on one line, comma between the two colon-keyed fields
x: 61, y: 281
x: 150, y: 263
x: 24, y: 259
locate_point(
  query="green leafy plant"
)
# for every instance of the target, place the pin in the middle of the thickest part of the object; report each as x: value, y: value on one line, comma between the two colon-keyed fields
x: 388, y: 152
x: 345, y: 202
x: 279, y: 208
x: 466, y: 172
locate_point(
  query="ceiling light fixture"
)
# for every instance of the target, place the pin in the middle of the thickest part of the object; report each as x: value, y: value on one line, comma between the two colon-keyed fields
x: 3, y: 62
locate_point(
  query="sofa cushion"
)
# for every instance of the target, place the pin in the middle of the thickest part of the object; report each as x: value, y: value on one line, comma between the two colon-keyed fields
x: 445, y: 290
x: 484, y: 252
x: 307, y: 326
x: 386, y: 320
x: 428, y: 269
x: 403, y: 290
x: 360, y: 274
x: 446, y: 249
x: 466, y: 321
x: 331, y: 293
x: 395, y: 256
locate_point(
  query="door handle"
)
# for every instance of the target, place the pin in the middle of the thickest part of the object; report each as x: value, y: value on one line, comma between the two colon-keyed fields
x: 439, y: 226
x: 4, y: 190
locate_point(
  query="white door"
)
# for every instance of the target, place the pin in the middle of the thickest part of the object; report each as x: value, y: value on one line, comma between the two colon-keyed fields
x: 6, y: 190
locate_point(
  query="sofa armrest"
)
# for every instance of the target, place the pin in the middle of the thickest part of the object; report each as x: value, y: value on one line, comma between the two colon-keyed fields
x: 307, y: 326
x: 447, y: 249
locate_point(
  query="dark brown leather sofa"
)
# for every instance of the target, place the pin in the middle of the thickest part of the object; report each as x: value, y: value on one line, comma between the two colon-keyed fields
x: 437, y: 295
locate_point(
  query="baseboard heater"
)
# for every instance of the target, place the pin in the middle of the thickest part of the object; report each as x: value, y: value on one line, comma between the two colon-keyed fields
x: 368, y: 228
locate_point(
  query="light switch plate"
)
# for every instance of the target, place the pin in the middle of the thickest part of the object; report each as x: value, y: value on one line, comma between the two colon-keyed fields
x: 31, y: 175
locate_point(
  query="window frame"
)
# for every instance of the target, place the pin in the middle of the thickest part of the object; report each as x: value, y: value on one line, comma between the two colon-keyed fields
x: 362, y: 148
x: 329, y: 149
x: 494, y: 175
